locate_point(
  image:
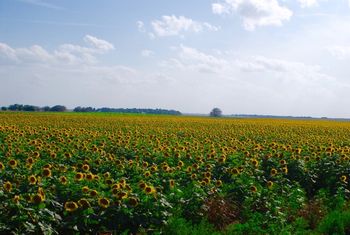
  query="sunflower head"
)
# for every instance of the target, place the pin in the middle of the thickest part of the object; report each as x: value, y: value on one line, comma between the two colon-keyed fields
x: 84, y: 203
x: 269, y: 184
x: 63, y: 180
x: 285, y: 170
x: 32, y: 179
x: 133, y: 201
x: 142, y: 185
x: 16, y: 199
x: 93, y: 193
x: 147, y: 174
x: 7, y: 186
x: 343, y: 178
x: 103, y: 202
x: 37, y: 198
x: 70, y: 206
x: 273, y: 172
x: 47, y: 172
x: 85, y: 189
x: 218, y: 183
x: 149, y: 190
x: 253, y: 189
x: 79, y: 176
x: 13, y: 163
x: 86, y: 167
x: 122, y: 195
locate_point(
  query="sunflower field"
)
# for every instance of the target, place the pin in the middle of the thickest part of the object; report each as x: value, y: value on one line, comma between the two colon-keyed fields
x: 72, y: 173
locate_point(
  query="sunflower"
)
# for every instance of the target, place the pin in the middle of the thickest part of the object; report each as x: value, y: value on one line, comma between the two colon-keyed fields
x: 85, y: 189
x: 13, y: 163
x: 193, y: 176
x: 273, y: 172
x: 122, y: 182
x: 67, y: 155
x: 115, y: 191
x: 255, y: 162
x: 103, y: 202
x: 63, y: 180
x: 147, y: 174
x: 30, y: 160
x: 283, y: 162
x: 36, y: 154
x: 149, y: 190
x: 154, y: 168
x: 2, y: 166
x: 234, y: 171
x: 93, y: 193
x: 47, y: 172
x: 145, y: 164
x: 133, y: 201
x: 7, y: 186
x: 218, y: 183
x: 32, y: 179
x: 96, y: 177
x: 37, y: 198
x: 253, y: 189
x: 84, y: 203
x: 89, y: 176
x: 180, y: 163
x: 122, y: 195
x: 86, y: 167
x: 107, y: 175
x: 285, y: 170
x: 343, y: 178
x: 79, y: 176
x: 53, y: 155
x: 206, y: 180
x: 16, y: 199
x: 269, y: 184
x: 142, y: 185
x: 116, y: 186
x: 172, y: 183
x: 70, y: 206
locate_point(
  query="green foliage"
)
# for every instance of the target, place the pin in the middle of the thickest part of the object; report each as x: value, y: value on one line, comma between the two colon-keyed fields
x: 180, y: 226
x: 336, y: 222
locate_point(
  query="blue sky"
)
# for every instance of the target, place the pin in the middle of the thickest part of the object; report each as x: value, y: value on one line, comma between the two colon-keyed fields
x: 281, y: 57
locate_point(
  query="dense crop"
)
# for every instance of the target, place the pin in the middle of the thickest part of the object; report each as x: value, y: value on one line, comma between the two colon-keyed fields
x: 91, y: 173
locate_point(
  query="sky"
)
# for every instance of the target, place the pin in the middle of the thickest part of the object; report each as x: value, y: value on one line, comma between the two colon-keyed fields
x: 275, y: 57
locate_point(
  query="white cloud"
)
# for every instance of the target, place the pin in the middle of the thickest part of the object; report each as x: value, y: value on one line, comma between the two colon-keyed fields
x: 98, y: 43
x: 255, y: 12
x: 65, y: 54
x: 7, y: 52
x: 340, y: 52
x: 289, y: 69
x: 147, y: 53
x: 141, y: 26
x: 308, y: 3
x: 174, y: 26
x: 219, y: 8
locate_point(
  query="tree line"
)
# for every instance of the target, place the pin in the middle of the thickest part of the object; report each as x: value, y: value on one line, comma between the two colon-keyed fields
x: 61, y: 108
x: 33, y: 108
x: 127, y: 110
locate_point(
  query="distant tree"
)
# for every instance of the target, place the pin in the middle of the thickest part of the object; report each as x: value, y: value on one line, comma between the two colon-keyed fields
x: 30, y: 108
x: 45, y: 109
x: 77, y: 109
x: 16, y: 107
x: 58, y: 108
x: 3, y: 108
x: 216, y: 112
